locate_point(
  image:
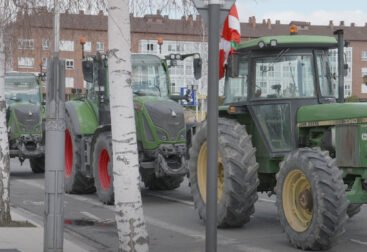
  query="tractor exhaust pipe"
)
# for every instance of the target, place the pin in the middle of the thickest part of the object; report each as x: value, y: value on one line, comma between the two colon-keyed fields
x: 341, y: 43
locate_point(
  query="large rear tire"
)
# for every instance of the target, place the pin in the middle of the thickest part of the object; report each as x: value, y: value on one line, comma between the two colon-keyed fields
x: 161, y: 183
x: 74, y: 180
x: 237, y: 173
x: 102, y: 167
x: 37, y: 164
x: 311, y: 199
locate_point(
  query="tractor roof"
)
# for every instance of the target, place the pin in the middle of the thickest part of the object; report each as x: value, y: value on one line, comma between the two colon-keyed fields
x: 289, y: 41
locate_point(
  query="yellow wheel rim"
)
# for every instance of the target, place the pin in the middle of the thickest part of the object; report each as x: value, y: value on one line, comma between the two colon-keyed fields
x: 297, y: 200
x: 202, y: 173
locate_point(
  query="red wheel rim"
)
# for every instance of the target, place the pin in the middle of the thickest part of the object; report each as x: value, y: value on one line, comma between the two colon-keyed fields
x: 104, y: 177
x: 68, y: 154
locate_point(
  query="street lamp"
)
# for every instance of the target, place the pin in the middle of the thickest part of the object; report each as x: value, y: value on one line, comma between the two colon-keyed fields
x: 160, y: 43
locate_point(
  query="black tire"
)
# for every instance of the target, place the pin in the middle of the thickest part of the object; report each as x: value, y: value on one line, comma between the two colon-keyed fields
x: 353, y: 209
x: 37, y: 164
x: 324, y: 200
x: 238, y: 169
x: 74, y: 180
x: 103, y: 168
x: 161, y: 183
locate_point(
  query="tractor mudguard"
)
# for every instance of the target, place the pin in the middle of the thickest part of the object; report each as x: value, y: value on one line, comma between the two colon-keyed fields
x: 82, y: 116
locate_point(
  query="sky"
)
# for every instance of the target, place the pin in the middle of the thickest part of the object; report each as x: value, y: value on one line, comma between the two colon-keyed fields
x: 318, y: 12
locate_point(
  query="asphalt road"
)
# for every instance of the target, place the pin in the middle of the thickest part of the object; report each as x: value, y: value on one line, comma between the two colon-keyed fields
x: 172, y: 222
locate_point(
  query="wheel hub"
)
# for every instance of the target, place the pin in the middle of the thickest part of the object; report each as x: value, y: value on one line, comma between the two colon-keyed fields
x: 297, y: 200
x: 305, y: 200
x: 202, y: 173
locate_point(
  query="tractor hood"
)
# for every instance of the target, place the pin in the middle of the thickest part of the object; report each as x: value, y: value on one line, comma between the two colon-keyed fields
x: 332, y: 114
x: 168, y: 117
x: 26, y: 117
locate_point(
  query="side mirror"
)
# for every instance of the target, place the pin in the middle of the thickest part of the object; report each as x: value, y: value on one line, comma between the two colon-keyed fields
x: 87, y: 70
x: 233, y: 66
x: 198, y: 62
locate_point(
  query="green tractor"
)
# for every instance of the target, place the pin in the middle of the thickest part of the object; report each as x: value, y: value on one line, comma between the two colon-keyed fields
x: 160, y: 129
x: 25, y: 119
x: 281, y: 131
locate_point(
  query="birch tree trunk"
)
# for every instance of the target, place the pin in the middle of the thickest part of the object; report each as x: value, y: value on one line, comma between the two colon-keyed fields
x: 128, y: 205
x: 5, y: 217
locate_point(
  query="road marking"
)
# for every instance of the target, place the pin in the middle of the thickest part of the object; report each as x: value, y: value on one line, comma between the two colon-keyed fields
x: 92, y: 216
x: 185, y: 202
x: 222, y: 240
x: 30, y: 183
x: 34, y: 203
x: 359, y: 242
x: 266, y: 200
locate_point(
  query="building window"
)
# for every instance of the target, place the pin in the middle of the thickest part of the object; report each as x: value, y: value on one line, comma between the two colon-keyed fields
x: 69, y: 64
x: 88, y: 46
x: 25, y: 62
x: 364, y: 71
x: 25, y: 44
x: 45, y: 44
x: 364, y: 88
x: 44, y: 63
x: 364, y: 55
x: 100, y: 46
x: 67, y: 45
x: 69, y: 82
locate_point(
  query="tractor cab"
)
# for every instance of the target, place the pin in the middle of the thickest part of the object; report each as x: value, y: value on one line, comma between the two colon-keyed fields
x: 149, y: 77
x: 272, y: 77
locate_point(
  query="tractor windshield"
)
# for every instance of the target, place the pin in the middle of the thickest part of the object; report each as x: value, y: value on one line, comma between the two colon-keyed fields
x: 21, y: 89
x: 148, y: 76
x: 284, y: 75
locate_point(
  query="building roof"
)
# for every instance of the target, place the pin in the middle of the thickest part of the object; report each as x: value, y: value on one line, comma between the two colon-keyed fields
x: 158, y: 24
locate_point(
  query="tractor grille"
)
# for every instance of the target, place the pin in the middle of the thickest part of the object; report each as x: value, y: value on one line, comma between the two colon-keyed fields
x: 28, y: 116
x: 347, y: 146
x: 167, y: 115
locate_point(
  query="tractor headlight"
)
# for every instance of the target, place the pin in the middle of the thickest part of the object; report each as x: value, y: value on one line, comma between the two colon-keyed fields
x: 273, y: 43
x: 162, y: 135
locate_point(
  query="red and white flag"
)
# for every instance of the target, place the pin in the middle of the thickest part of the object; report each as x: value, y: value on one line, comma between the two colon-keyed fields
x: 231, y: 36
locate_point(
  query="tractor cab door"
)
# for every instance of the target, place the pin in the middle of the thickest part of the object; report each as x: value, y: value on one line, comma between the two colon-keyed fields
x: 280, y: 84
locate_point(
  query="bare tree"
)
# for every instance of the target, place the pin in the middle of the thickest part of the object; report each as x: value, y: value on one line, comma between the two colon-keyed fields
x: 5, y: 218
x: 128, y: 204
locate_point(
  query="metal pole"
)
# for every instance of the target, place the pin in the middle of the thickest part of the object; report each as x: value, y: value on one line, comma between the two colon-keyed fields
x: 212, y: 171
x: 340, y: 34
x: 55, y: 147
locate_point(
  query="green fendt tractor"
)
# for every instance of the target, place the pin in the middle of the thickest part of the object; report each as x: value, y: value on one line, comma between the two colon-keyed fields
x: 160, y: 129
x: 24, y: 115
x: 282, y: 131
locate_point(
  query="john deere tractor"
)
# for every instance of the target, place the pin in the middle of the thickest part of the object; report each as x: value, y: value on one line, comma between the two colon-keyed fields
x: 283, y: 132
x: 24, y: 115
x: 160, y: 129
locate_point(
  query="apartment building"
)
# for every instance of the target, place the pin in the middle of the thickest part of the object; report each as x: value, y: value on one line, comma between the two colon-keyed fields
x: 160, y: 35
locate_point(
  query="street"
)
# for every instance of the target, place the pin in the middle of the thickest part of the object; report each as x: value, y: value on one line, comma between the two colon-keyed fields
x: 172, y: 222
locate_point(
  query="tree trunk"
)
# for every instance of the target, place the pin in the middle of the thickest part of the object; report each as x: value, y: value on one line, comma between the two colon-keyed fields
x: 128, y: 205
x: 5, y: 217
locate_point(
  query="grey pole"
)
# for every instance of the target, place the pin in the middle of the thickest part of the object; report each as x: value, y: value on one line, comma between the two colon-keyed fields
x: 340, y: 35
x: 55, y: 147
x: 214, y: 13
x: 212, y: 122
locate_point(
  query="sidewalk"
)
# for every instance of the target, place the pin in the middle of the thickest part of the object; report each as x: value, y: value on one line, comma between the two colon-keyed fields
x: 28, y: 239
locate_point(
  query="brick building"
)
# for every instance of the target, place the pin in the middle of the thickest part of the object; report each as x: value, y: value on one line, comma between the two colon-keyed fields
x: 34, y: 43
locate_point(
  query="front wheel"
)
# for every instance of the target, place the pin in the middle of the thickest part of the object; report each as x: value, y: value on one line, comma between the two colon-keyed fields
x: 37, y: 164
x: 102, y: 167
x: 311, y: 199
x: 237, y: 173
